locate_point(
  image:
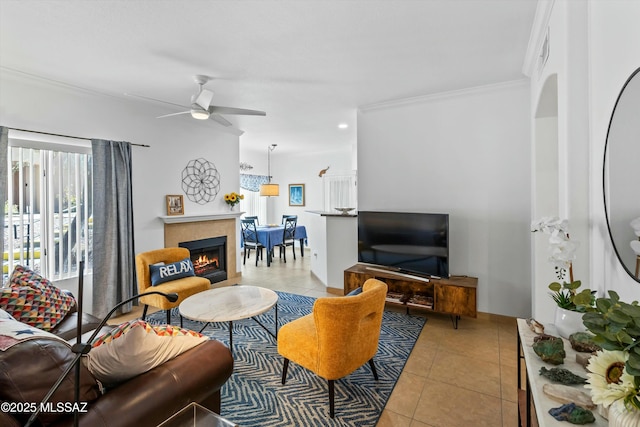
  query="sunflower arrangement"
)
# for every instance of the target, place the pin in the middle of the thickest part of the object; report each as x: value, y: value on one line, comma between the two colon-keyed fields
x: 615, y: 370
x: 233, y: 198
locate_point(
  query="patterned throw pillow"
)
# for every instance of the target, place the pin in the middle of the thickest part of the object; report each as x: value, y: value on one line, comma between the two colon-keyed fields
x: 167, y: 272
x: 33, y: 300
x: 136, y: 347
x: 13, y: 332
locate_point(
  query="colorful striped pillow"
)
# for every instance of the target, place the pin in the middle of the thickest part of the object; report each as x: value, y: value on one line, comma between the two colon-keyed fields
x: 135, y: 347
x: 33, y: 300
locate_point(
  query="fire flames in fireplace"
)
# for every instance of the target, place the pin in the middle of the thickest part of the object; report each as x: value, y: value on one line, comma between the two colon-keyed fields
x: 204, y: 264
x: 208, y: 257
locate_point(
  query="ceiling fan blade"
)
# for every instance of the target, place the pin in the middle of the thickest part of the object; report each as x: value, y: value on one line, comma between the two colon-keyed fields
x: 155, y: 100
x: 218, y: 118
x: 204, y: 98
x: 215, y: 109
x: 173, y: 114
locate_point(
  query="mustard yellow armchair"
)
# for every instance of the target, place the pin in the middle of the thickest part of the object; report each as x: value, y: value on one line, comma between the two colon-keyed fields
x: 339, y: 336
x: 184, y: 287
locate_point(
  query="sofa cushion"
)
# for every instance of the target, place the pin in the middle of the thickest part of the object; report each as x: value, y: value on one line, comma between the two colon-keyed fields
x: 135, y: 347
x: 166, y: 272
x: 13, y: 332
x: 32, y: 306
x: 31, y: 360
x: 33, y: 300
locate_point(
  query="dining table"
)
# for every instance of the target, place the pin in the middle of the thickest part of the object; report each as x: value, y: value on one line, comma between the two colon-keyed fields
x: 271, y: 236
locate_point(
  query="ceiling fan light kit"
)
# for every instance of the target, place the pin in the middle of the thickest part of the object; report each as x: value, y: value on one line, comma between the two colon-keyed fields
x: 200, y: 106
x: 198, y: 113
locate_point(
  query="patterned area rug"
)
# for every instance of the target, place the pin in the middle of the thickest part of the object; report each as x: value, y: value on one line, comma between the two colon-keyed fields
x: 254, y: 395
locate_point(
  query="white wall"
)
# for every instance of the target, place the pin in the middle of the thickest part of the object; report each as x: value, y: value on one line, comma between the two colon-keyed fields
x: 303, y: 168
x: 298, y: 168
x: 566, y: 26
x: 466, y: 154
x: 335, y: 247
x: 614, y: 54
x: 36, y: 104
x: 593, y: 50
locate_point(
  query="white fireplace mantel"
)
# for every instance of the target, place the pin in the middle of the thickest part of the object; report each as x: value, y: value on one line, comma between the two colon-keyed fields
x: 176, y: 219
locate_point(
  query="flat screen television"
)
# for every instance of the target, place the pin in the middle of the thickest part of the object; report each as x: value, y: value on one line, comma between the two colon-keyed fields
x: 413, y: 243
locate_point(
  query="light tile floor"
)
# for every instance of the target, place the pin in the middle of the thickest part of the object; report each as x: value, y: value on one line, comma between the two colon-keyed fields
x: 453, y: 378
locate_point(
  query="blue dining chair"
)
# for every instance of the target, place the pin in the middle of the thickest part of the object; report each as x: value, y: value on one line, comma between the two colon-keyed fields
x: 288, y: 236
x: 255, y: 218
x: 284, y: 217
x: 250, y: 240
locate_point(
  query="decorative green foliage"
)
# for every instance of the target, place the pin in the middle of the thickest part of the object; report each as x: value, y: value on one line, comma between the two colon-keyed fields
x: 616, y: 325
x: 565, y: 296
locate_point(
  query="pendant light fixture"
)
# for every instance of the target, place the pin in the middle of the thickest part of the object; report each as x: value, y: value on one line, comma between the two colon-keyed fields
x: 270, y: 189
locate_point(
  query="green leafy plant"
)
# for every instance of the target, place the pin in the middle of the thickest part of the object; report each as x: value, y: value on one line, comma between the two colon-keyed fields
x: 616, y: 326
x: 566, y: 296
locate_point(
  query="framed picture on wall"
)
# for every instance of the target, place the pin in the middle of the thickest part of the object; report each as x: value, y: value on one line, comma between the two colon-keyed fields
x: 296, y: 194
x: 175, y: 204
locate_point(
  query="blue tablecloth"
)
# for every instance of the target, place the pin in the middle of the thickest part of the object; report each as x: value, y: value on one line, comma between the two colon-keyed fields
x: 271, y: 236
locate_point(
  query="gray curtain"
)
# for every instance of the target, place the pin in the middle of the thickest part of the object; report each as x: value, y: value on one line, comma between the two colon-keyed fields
x: 114, y: 277
x: 4, y: 149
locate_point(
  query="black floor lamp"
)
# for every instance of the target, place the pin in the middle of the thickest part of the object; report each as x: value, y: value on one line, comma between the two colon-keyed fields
x: 81, y: 349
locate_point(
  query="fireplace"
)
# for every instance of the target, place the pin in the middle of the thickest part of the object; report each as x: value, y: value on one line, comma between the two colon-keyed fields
x: 209, y: 257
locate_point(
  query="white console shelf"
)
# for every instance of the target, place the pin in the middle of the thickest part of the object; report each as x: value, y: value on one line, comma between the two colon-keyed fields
x: 535, y: 382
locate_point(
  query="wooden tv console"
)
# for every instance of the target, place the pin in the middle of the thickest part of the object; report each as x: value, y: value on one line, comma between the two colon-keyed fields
x: 455, y: 295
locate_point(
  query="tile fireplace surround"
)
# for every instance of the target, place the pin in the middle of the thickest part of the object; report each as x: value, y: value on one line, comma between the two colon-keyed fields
x: 183, y: 228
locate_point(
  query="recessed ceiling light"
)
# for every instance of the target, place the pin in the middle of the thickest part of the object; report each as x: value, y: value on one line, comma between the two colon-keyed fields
x: 343, y: 126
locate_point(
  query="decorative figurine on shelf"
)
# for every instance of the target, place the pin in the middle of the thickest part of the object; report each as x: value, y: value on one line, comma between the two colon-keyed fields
x: 535, y: 326
x: 572, y: 413
x: 583, y: 342
x: 550, y: 349
x: 562, y: 376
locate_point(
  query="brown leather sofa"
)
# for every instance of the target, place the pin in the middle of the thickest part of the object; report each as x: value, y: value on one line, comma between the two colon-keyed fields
x: 29, y: 368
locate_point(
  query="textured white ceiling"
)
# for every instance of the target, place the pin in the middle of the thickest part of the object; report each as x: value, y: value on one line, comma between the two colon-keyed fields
x: 308, y: 64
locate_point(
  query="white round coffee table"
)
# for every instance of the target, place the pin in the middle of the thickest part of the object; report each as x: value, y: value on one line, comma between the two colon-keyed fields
x: 230, y: 303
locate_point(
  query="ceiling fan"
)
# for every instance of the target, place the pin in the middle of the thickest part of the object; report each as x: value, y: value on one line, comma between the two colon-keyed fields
x: 201, y: 108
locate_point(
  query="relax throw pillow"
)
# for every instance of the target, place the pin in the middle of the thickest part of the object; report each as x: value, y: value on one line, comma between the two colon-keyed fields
x: 33, y: 300
x: 136, y: 347
x: 167, y: 272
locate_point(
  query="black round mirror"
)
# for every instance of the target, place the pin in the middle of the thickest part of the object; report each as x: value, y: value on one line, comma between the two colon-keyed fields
x: 621, y: 176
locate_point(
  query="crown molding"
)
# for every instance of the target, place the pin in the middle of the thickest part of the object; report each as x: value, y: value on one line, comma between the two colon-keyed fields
x: 30, y: 78
x: 443, y: 95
